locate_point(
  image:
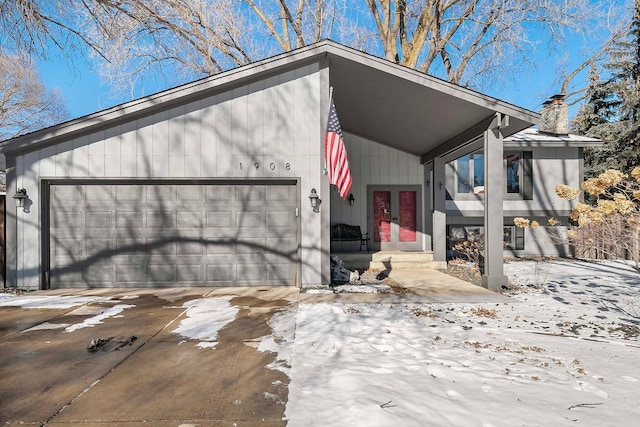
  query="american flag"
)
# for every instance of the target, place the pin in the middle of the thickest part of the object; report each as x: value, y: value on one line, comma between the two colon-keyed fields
x: 335, y: 154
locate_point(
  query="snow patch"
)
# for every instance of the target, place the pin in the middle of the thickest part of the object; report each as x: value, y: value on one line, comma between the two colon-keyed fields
x: 47, y: 301
x: 362, y: 289
x: 207, y: 344
x: 318, y: 291
x: 96, y: 320
x: 280, y: 341
x: 204, y: 317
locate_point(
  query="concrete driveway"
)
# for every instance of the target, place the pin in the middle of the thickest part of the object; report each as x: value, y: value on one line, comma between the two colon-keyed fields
x: 157, y: 363
x: 171, y: 357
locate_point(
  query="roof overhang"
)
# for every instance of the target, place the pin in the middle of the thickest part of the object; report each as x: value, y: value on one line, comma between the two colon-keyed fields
x: 531, y: 138
x: 376, y: 99
x: 411, y: 111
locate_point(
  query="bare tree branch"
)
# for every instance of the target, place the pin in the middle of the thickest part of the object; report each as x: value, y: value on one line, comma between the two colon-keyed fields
x: 457, y: 31
x: 464, y: 41
x: 25, y: 104
x: 589, y: 61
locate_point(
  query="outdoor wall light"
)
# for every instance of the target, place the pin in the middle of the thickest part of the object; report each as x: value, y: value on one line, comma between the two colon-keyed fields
x: 351, y: 199
x: 20, y: 197
x: 315, y: 200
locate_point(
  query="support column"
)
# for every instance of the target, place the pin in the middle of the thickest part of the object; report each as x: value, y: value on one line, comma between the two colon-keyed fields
x: 494, y: 187
x: 439, y: 235
x: 325, y: 187
x: 427, y: 197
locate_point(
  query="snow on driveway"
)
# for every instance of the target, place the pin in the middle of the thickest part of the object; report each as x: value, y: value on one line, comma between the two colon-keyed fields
x: 204, y: 318
x: 47, y: 301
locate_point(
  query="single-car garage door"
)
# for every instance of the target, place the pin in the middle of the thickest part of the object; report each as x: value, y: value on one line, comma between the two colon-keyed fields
x: 154, y: 234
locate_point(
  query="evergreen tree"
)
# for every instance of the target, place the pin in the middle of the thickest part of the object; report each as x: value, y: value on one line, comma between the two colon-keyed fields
x: 629, y: 78
x: 612, y: 112
x: 597, y: 118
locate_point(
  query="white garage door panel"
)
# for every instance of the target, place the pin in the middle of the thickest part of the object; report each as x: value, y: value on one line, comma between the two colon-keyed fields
x: 173, y: 234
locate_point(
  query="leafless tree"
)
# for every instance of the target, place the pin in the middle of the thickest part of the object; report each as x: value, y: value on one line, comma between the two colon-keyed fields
x: 614, y: 23
x: 185, y: 39
x: 468, y: 42
x: 25, y: 104
x: 33, y: 26
x: 471, y: 39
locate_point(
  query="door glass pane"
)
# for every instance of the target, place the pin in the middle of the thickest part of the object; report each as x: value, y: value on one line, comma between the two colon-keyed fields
x: 381, y: 216
x: 407, y: 216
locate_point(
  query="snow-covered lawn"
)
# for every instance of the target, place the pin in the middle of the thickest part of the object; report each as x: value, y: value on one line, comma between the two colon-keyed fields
x: 565, y: 352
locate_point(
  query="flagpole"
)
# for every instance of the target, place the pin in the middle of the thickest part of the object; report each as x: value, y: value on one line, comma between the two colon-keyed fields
x: 325, y: 171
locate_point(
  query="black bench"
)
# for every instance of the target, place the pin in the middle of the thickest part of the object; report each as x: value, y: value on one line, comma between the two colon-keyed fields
x: 349, y: 233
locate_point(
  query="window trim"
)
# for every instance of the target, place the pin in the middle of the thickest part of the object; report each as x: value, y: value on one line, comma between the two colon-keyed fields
x: 524, y: 175
x: 471, y: 233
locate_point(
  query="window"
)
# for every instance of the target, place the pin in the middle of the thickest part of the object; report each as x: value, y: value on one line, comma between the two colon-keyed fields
x: 511, y: 236
x: 465, y: 175
x: 508, y: 236
x: 513, y: 173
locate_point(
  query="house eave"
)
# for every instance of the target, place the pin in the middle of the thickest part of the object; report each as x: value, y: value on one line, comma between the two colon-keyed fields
x: 377, y: 99
x: 532, y: 138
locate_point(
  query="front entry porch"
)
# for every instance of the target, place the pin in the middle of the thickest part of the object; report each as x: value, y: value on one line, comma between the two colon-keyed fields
x: 418, y: 274
x: 390, y: 260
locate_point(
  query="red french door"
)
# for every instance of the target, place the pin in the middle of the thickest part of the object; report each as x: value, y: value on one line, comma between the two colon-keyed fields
x: 395, y: 215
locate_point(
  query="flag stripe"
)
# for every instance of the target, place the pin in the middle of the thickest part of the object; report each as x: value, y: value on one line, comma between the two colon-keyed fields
x: 336, y: 154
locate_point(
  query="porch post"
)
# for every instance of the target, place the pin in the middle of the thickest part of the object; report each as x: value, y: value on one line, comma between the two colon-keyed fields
x: 325, y: 187
x: 439, y: 235
x: 427, y: 197
x: 493, y: 277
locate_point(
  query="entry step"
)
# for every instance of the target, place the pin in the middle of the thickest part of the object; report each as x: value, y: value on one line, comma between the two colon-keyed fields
x: 403, y: 260
x: 384, y: 260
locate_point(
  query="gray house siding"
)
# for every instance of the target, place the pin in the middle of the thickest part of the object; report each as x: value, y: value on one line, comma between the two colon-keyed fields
x: 266, y: 121
x: 372, y: 164
x: 550, y: 166
x: 267, y: 129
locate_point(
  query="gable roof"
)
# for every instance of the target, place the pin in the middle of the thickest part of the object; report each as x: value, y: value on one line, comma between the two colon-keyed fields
x: 376, y: 99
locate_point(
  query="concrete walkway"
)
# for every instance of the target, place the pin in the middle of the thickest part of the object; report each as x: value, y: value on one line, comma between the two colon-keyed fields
x: 425, y: 286
x: 47, y: 376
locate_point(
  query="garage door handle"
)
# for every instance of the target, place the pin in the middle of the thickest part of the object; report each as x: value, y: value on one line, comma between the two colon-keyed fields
x: 394, y: 218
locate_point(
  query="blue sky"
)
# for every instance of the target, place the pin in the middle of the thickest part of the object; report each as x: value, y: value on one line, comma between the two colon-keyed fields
x: 82, y: 89
x: 84, y: 92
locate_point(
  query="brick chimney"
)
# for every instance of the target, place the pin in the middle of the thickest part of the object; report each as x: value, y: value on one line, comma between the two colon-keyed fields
x: 555, y: 116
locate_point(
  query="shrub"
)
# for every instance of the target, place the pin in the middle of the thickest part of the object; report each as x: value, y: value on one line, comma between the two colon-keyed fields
x: 610, y: 227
